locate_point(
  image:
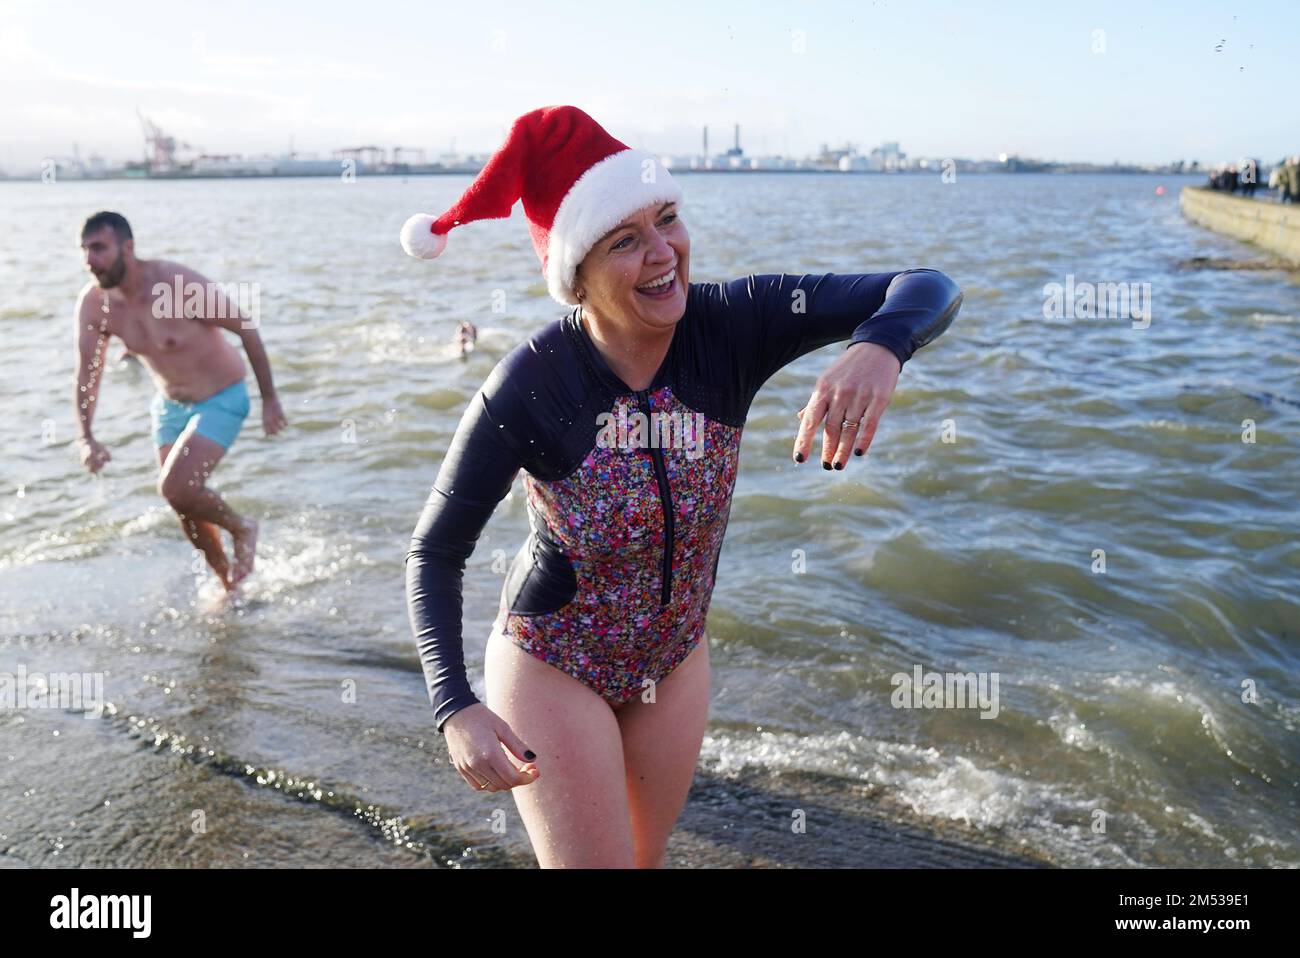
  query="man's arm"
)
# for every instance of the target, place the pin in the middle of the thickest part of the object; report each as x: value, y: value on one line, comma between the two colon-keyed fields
x: 92, y: 347
x: 231, y: 316
x: 257, y: 357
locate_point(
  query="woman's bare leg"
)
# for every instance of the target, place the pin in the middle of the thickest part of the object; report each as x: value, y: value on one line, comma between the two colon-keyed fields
x: 576, y: 812
x: 661, y: 746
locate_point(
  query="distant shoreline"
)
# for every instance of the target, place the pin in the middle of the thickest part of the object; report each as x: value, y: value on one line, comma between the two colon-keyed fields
x: 190, y: 177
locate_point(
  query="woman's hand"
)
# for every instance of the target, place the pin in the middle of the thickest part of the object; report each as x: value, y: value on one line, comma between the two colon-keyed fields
x: 857, y: 386
x: 475, y: 735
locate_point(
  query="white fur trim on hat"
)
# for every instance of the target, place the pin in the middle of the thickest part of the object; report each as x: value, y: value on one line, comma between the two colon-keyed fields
x: 419, y: 241
x: 606, y: 194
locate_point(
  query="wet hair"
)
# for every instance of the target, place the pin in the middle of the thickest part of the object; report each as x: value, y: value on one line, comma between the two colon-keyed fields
x: 116, y: 221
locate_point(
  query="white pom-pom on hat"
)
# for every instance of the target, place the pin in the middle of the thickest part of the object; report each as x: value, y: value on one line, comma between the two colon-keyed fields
x: 419, y: 240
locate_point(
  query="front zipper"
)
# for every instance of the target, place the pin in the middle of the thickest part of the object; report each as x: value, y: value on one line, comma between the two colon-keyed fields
x: 665, y: 500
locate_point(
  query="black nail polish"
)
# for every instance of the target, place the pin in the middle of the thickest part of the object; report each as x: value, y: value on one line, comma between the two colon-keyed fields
x: 839, y: 465
x: 798, y: 457
x: 857, y: 452
x: 826, y: 465
x: 529, y: 755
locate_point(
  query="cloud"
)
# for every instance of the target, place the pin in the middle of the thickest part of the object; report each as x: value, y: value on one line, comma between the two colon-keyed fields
x: 169, y: 86
x: 14, y: 46
x: 298, y: 68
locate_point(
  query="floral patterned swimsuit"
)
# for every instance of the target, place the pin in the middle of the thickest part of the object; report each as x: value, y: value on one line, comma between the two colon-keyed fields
x: 629, y: 491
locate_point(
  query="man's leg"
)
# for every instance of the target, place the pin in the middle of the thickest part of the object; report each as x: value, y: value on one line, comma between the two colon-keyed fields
x: 205, y: 536
x: 183, y: 483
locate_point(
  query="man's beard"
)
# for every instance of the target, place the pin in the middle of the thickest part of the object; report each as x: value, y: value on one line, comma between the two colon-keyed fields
x: 113, y: 275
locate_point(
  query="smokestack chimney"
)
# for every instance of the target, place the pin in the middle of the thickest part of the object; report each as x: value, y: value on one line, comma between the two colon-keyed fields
x: 706, y: 140
x: 737, y: 137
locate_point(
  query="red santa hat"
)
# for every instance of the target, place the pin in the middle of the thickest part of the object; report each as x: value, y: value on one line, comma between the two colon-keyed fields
x: 576, y: 181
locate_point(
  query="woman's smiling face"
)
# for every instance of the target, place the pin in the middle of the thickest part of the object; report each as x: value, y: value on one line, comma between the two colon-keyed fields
x: 650, y: 245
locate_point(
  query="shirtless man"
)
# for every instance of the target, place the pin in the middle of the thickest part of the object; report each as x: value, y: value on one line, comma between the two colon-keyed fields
x: 201, y: 400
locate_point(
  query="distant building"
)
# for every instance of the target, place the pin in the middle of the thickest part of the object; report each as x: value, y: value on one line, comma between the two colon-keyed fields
x: 830, y: 159
x: 294, y: 165
x: 888, y: 158
x: 694, y: 161
x: 230, y: 165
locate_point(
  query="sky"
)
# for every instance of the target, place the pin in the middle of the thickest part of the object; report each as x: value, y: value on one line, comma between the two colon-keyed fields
x: 1104, y: 81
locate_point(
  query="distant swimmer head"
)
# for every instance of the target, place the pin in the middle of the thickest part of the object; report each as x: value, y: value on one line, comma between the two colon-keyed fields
x: 577, y: 183
x: 466, y: 337
x: 108, y: 246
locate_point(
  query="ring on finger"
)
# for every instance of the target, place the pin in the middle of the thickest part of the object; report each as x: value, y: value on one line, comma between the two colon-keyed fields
x: 862, y: 416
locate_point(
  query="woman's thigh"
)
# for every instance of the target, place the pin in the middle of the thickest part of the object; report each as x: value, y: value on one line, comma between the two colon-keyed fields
x: 661, y: 746
x: 576, y: 812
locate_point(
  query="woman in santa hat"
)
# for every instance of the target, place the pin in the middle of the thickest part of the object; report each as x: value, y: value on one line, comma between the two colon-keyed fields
x: 625, y: 417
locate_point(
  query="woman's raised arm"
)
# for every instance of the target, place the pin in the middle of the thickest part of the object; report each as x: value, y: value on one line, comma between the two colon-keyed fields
x: 777, y: 318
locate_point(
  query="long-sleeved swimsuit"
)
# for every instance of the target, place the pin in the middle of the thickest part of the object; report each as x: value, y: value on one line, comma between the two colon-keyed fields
x: 629, y: 491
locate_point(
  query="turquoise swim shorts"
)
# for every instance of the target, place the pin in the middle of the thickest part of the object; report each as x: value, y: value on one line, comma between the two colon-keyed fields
x: 219, y: 416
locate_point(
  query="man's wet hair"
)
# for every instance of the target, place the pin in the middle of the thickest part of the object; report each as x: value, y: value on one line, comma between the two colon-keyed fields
x: 116, y: 221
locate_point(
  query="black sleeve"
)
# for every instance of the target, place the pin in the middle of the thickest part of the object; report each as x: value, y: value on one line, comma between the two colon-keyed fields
x: 477, y: 473
x: 776, y: 318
